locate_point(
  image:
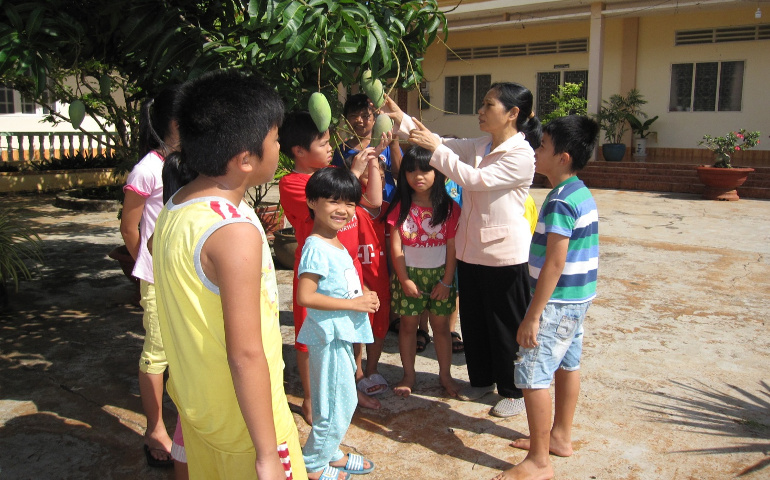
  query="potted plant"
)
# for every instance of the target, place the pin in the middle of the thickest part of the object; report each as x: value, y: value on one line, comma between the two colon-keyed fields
x: 613, y: 119
x: 722, y: 179
x: 269, y: 213
x: 641, y: 132
x: 18, y: 246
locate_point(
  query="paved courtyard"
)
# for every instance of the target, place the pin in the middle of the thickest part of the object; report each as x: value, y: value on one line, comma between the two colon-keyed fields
x: 675, y: 370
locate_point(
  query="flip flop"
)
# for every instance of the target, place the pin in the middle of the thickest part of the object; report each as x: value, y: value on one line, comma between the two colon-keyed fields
x: 423, y: 339
x: 154, y: 462
x: 333, y: 473
x: 355, y: 465
x: 379, y: 380
x: 370, y: 386
x: 457, y: 343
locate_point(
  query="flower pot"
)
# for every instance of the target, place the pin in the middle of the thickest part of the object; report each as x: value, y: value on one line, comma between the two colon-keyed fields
x: 614, y: 152
x: 271, y: 216
x: 640, y: 149
x: 721, y: 183
x: 284, y: 246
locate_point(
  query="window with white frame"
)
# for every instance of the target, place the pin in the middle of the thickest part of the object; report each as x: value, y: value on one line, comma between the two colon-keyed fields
x: 706, y: 87
x: 465, y: 94
x: 12, y: 102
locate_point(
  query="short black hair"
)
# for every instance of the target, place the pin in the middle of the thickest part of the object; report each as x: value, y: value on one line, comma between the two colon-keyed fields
x: 576, y: 135
x: 298, y: 130
x: 356, y: 103
x: 333, y: 183
x: 222, y: 114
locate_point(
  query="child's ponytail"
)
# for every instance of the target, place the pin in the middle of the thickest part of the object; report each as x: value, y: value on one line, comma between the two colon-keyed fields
x: 176, y: 174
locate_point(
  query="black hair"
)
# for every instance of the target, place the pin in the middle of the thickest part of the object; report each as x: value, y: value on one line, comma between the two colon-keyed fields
x: 357, y: 102
x: 576, y: 135
x: 155, y: 120
x: 176, y: 174
x: 514, y: 95
x: 418, y: 158
x: 222, y: 114
x: 298, y: 130
x: 333, y: 183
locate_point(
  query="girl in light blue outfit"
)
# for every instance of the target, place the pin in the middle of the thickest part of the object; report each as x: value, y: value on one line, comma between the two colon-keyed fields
x: 337, y: 317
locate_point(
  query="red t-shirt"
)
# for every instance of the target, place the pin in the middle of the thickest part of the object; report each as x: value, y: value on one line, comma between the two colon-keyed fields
x: 374, y: 263
x: 291, y: 189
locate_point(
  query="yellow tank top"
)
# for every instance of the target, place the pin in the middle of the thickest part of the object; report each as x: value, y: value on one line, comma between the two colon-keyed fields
x: 192, y: 325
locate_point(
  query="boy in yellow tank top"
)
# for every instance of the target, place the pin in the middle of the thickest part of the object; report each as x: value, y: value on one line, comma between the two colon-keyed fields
x: 217, y: 293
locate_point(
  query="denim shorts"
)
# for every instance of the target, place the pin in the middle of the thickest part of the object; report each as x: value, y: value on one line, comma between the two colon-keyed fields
x: 560, y: 345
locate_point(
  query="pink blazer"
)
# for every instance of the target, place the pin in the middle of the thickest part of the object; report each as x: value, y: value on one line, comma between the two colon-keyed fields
x: 492, y: 229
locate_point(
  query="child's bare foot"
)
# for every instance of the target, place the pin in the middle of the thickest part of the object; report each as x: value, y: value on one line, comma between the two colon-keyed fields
x: 452, y: 388
x: 404, y: 387
x: 527, y: 470
x: 560, y: 449
x: 307, y: 411
x: 366, y: 401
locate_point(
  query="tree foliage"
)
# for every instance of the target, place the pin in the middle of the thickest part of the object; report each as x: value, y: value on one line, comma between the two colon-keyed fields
x: 141, y: 45
x: 568, y: 101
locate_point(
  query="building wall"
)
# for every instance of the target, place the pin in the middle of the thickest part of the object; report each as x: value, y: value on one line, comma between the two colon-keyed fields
x: 657, y: 53
x: 652, y: 76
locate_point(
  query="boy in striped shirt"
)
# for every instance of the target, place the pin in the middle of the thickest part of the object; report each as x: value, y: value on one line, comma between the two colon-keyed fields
x: 563, y: 261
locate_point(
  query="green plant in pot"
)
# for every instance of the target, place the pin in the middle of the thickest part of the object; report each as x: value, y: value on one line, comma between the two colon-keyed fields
x: 269, y: 213
x: 722, y: 179
x: 641, y: 131
x: 613, y: 119
x: 19, y: 246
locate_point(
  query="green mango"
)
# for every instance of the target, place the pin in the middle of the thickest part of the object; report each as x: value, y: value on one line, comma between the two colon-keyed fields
x: 320, y: 111
x: 105, y: 85
x: 382, y: 124
x: 77, y: 112
x: 375, y: 92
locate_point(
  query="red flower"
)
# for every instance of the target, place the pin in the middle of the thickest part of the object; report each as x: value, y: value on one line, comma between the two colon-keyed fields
x: 737, y: 148
x: 739, y: 136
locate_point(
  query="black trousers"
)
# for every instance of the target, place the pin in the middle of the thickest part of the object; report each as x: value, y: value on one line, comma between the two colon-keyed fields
x: 493, y: 301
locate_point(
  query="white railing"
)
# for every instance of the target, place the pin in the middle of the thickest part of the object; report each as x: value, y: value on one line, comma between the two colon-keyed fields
x: 27, y: 146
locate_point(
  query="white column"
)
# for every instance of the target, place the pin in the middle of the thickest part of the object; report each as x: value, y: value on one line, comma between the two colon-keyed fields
x: 595, y: 58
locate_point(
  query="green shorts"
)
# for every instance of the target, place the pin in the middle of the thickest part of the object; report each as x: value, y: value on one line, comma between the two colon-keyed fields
x: 425, y: 279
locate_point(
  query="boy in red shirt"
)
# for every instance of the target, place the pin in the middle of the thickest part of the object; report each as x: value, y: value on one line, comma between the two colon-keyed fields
x: 311, y: 151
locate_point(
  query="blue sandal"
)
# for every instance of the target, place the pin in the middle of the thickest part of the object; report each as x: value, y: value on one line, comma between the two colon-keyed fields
x: 332, y: 473
x: 355, y: 465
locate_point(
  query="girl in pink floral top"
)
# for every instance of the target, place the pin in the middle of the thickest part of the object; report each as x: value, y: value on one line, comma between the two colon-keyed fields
x: 423, y: 223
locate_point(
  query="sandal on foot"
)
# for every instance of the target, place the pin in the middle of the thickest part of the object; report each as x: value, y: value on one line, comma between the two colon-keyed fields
x: 423, y: 339
x: 355, y: 465
x: 372, y: 385
x: 333, y: 473
x: 154, y: 462
x: 457, y: 343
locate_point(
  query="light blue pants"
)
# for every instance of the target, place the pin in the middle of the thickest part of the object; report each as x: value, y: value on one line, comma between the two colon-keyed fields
x: 334, y: 397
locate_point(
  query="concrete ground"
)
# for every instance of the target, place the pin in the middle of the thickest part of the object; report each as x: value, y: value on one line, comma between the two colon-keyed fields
x: 675, y: 376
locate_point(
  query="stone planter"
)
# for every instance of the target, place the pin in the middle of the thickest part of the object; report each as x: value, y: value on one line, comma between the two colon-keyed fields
x: 284, y: 246
x: 721, y: 183
x: 640, y: 149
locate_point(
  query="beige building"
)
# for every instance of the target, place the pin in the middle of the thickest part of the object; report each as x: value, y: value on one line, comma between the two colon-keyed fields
x: 702, y: 65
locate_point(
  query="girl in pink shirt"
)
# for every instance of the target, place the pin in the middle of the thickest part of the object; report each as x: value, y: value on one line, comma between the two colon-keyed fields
x: 423, y: 223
